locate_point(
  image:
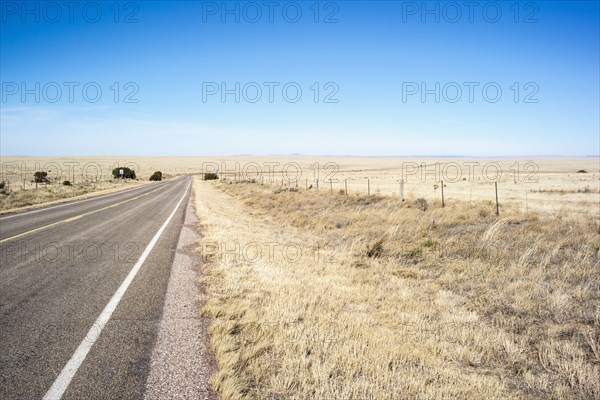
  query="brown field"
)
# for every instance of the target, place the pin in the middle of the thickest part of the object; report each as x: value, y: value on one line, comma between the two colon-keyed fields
x: 317, y: 294
x: 551, y: 184
x: 325, y: 296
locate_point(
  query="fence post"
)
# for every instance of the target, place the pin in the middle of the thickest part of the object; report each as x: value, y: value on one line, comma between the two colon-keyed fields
x: 497, y: 209
x: 330, y: 185
x: 368, y: 187
x: 346, y: 186
x: 306, y: 184
x: 442, y: 182
x: 317, y: 184
x: 402, y: 190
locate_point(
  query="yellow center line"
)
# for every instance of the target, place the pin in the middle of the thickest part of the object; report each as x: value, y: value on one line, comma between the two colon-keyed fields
x: 76, y: 217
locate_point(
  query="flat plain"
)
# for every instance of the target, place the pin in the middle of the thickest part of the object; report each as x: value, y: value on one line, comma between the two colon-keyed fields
x: 349, y: 277
x: 569, y: 185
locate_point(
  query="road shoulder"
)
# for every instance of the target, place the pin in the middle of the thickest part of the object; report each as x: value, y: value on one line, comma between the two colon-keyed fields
x: 182, y: 361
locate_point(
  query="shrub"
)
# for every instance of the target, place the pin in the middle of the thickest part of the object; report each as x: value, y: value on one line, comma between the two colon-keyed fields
x: 128, y: 173
x: 2, y: 184
x: 582, y: 171
x: 41, y: 176
x: 210, y: 176
x: 376, y: 250
x: 421, y: 203
x: 157, y: 176
x: 67, y: 183
x: 430, y: 243
x: 417, y: 252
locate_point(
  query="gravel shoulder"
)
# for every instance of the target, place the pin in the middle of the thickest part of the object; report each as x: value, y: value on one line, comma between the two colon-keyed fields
x: 182, y: 362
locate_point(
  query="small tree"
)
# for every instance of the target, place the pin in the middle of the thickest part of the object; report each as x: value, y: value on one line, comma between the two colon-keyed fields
x: 128, y: 173
x: 41, y: 176
x: 209, y: 176
x: 67, y: 183
x: 157, y: 176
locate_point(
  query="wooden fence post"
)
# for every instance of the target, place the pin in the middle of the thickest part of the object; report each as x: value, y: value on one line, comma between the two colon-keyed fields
x: 346, y: 186
x: 442, y: 182
x: 331, y: 186
x: 368, y: 187
x: 497, y: 208
x: 402, y: 190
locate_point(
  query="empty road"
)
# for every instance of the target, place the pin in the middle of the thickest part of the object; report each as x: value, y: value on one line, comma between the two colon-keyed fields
x: 82, y: 288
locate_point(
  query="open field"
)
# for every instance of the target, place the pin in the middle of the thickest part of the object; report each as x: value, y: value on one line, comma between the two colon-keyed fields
x: 326, y: 296
x: 45, y: 195
x: 549, y: 184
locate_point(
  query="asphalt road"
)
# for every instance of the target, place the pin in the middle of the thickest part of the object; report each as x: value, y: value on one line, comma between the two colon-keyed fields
x: 59, y: 269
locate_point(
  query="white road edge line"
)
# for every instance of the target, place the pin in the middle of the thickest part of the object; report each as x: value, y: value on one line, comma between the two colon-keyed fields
x: 68, y: 372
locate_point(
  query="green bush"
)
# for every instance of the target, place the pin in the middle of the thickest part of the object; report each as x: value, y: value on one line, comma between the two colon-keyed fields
x: 157, y: 176
x: 67, y: 183
x: 210, y: 176
x: 41, y: 176
x: 128, y: 173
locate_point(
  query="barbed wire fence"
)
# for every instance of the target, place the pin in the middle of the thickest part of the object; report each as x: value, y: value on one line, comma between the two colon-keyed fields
x: 496, y: 193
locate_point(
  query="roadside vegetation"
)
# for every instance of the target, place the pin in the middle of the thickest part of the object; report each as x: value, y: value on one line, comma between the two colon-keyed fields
x: 392, y: 300
x: 14, y: 198
x: 156, y: 176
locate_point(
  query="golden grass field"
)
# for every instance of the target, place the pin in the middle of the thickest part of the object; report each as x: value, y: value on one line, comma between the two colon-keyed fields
x: 315, y: 294
x: 538, y: 184
x: 319, y: 295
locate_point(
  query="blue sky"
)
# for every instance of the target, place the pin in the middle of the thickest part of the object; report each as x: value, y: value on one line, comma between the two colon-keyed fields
x: 375, y: 58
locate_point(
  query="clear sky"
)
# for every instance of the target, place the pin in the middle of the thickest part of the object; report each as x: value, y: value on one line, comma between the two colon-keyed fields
x: 379, y: 78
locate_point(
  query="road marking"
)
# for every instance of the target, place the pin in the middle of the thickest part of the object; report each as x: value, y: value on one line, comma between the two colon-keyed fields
x: 77, y: 216
x: 72, y: 202
x: 68, y: 372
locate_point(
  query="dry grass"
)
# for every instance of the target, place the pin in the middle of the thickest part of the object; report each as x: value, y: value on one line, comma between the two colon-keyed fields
x: 387, y: 301
x: 19, y: 200
x: 544, y: 183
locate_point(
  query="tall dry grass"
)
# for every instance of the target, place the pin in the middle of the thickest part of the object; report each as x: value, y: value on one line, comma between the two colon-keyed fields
x: 391, y: 301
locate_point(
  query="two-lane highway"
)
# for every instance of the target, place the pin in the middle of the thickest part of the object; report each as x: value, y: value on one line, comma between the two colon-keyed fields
x: 82, y: 287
